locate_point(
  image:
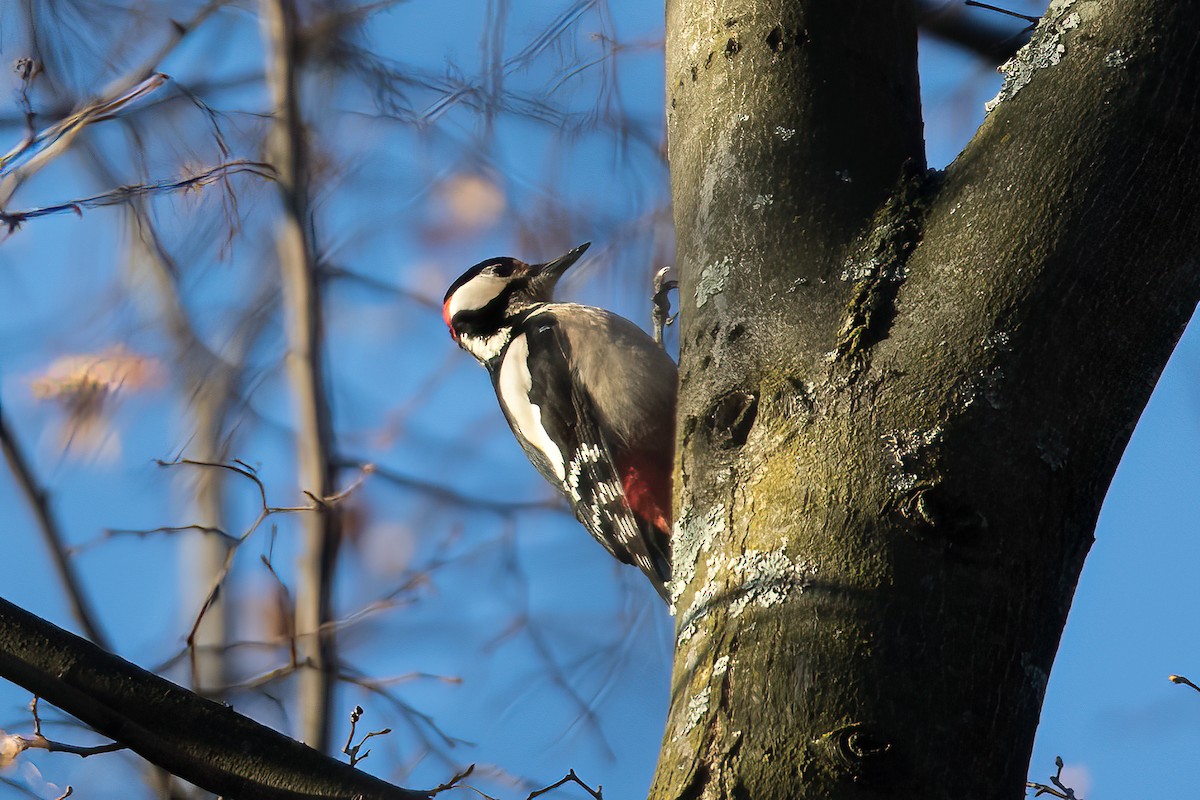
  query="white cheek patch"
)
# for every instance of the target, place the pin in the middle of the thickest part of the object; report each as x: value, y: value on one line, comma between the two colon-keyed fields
x: 514, y: 384
x: 476, y: 293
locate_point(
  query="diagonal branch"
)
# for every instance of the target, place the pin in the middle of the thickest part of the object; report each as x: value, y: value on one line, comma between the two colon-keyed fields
x: 35, y: 151
x: 39, y: 502
x: 203, y: 742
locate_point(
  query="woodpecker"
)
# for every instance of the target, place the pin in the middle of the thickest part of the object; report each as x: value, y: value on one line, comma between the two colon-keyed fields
x: 588, y: 394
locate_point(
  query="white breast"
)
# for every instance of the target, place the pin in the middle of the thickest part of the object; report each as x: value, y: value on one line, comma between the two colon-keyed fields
x: 513, y: 385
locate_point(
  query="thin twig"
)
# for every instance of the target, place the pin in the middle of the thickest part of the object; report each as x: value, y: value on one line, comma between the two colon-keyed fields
x: 570, y: 777
x: 351, y: 749
x: 34, y: 151
x: 453, y: 783
x: 38, y: 741
x: 113, y: 533
x: 39, y: 502
x: 266, y: 510
x: 1028, y: 18
x: 124, y: 194
x: 445, y: 494
x: 1184, y: 681
x: 1058, y: 789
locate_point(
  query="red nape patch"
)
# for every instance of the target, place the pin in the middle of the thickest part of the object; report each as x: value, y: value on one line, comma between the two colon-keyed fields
x: 446, y: 318
x: 648, y: 491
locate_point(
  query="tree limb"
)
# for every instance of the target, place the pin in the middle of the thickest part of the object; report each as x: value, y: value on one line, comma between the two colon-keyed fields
x: 203, y: 742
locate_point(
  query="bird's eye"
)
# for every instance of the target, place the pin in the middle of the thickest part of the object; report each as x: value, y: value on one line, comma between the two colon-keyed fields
x: 504, y: 269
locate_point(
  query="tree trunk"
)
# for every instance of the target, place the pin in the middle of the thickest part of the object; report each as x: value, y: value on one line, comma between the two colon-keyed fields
x: 903, y: 395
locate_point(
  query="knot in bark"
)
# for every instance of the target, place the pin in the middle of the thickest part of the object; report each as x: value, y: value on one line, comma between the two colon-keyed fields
x: 732, y: 417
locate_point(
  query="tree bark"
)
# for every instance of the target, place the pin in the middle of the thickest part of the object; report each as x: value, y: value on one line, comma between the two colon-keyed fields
x: 201, y: 741
x: 903, y: 395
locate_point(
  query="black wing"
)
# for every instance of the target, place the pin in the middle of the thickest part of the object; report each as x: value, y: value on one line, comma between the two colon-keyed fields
x: 591, y: 480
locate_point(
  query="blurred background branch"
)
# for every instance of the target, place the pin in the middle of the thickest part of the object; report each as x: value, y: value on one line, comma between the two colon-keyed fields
x: 39, y: 501
x: 287, y: 148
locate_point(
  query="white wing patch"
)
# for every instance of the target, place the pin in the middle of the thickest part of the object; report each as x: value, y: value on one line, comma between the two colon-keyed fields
x: 514, y: 384
x: 586, y: 454
x: 604, y: 501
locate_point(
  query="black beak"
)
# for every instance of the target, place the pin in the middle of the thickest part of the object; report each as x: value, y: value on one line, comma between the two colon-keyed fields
x: 549, y: 273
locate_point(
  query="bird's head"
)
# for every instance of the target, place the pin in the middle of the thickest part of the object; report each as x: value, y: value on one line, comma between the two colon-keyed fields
x: 489, y: 296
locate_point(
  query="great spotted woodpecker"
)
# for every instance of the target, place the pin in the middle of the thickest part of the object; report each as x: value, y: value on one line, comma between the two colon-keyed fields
x: 588, y: 394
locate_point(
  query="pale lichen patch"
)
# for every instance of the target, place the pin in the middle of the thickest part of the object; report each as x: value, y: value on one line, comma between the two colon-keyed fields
x: 693, y: 535
x: 766, y: 578
x: 1117, y: 59
x: 712, y: 280
x: 907, y: 452
x: 696, y: 710
x: 1045, y: 49
x: 854, y: 269
x: 754, y: 578
x: 999, y: 341
x: 720, y: 667
x: 702, y: 601
x: 762, y: 201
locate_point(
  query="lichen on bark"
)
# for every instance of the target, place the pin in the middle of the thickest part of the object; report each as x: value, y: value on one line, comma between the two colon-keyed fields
x: 878, y: 548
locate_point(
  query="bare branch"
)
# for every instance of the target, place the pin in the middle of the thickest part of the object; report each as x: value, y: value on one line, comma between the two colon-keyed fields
x: 1058, y: 789
x: 39, y: 502
x: 351, y: 749
x: 458, y: 778
x: 321, y: 505
x: 38, y: 741
x: 951, y: 22
x: 445, y: 494
x: 1028, y: 18
x: 124, y: 194
x: 203, y: 742
x: 1184, y: 681
x: 113, y: 533
x: 36, y: 150
x: 570, y: 777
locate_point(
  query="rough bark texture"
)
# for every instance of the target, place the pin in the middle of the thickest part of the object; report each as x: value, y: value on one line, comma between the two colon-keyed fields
x: 903, y: 396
